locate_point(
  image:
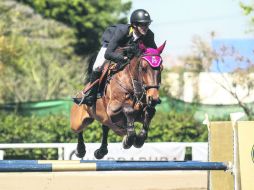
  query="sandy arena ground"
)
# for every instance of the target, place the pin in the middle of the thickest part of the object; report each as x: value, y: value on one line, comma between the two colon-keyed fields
x: 117, y: 180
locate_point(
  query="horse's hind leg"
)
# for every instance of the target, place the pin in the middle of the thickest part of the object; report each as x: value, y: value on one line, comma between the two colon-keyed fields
x: 81, y: 148
x: 103, y: 150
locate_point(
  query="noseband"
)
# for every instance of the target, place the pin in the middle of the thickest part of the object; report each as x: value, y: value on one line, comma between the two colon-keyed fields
x: 147, y: 87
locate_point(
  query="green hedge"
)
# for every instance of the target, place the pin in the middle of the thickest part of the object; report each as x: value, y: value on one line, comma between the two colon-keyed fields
x: 165, y: 127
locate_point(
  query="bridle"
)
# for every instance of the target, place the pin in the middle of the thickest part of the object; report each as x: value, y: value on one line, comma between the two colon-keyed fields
x: 145, y: 86
x: 139, y: 88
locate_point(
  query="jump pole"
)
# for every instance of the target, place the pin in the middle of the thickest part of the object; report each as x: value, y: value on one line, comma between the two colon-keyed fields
x: 54, y: 166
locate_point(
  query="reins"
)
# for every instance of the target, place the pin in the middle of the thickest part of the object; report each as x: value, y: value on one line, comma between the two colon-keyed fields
x: 139, y: 89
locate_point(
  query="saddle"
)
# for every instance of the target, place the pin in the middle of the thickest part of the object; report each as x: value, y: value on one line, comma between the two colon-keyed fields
x: 109, y: 69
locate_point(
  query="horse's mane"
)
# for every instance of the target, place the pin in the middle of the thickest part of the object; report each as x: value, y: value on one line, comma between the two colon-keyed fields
x: 132, y: 51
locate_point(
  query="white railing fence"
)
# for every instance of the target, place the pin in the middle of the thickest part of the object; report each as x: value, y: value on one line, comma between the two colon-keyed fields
x: 150, y: 151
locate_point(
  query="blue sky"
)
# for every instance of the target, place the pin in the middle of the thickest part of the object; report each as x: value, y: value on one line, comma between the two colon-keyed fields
x: 177, y: 21
x: 242, y: 47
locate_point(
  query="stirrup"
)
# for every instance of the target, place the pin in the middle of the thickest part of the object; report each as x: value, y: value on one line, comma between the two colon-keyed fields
x: 83, y: 100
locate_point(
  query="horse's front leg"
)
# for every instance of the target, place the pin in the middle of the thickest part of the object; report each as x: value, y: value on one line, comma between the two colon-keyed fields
x: 81, y: 148
x: 142, y: 136
x: 103, y: 150
x: 129, y: 139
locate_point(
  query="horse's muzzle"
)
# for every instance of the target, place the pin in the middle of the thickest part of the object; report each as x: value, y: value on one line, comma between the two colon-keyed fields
x: 153, y: 102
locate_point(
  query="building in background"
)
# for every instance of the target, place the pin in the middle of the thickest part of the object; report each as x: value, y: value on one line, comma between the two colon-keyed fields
x: 216, y: 87
x: 206, y: 88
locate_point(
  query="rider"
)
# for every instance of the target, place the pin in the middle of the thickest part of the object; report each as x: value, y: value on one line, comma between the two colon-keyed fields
x: 120, y: 35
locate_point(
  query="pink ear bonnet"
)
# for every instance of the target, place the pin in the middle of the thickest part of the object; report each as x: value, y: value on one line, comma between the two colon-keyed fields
x: 152, y: 56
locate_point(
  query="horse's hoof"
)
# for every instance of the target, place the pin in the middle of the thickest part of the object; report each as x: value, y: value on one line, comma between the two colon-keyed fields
x: 81, y: 150
x: 128, y: 141
x: 138, y: 143
x: 125, y: 145
x: 140, y: 140
x: 100, y: 153
x: 80, y: 154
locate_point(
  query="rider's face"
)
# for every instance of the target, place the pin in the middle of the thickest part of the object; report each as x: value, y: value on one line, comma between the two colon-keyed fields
x: 142, y: 28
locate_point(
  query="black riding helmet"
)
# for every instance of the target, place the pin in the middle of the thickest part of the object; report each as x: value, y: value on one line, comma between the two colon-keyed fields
x: 140, y: 16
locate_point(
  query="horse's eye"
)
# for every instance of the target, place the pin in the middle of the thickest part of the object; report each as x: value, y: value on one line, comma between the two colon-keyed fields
x: 144, y: 69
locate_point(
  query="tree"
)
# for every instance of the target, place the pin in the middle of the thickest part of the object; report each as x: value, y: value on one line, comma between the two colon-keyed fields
x: 201, y: 57
x: 199, y: 60
x: 248, y: 11
x: 37, y: 61
x: 239, y: 83
x: 88, y: 18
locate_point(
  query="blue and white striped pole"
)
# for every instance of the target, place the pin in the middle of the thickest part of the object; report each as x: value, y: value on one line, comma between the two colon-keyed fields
x: 55, y: 166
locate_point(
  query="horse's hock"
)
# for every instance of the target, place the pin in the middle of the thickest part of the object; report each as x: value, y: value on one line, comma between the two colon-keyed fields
x: 80, y: 118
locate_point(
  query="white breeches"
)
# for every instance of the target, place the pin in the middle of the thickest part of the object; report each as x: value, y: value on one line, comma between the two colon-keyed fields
x: 99, y: 59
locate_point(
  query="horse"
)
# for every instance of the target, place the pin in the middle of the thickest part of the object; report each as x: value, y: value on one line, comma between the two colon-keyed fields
x: 130, y: 95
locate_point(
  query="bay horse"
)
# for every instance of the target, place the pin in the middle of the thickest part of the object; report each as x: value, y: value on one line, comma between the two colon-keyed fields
x: 130, y: 95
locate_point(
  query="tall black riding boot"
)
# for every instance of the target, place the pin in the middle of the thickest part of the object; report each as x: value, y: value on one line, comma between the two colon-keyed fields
x: 91, y: 95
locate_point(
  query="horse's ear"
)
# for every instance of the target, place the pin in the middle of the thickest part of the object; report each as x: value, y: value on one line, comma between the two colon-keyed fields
x: 160, y: 49
x: 142, y: 46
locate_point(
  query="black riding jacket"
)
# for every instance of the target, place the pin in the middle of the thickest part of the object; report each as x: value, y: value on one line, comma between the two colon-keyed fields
x: 121, y: 35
